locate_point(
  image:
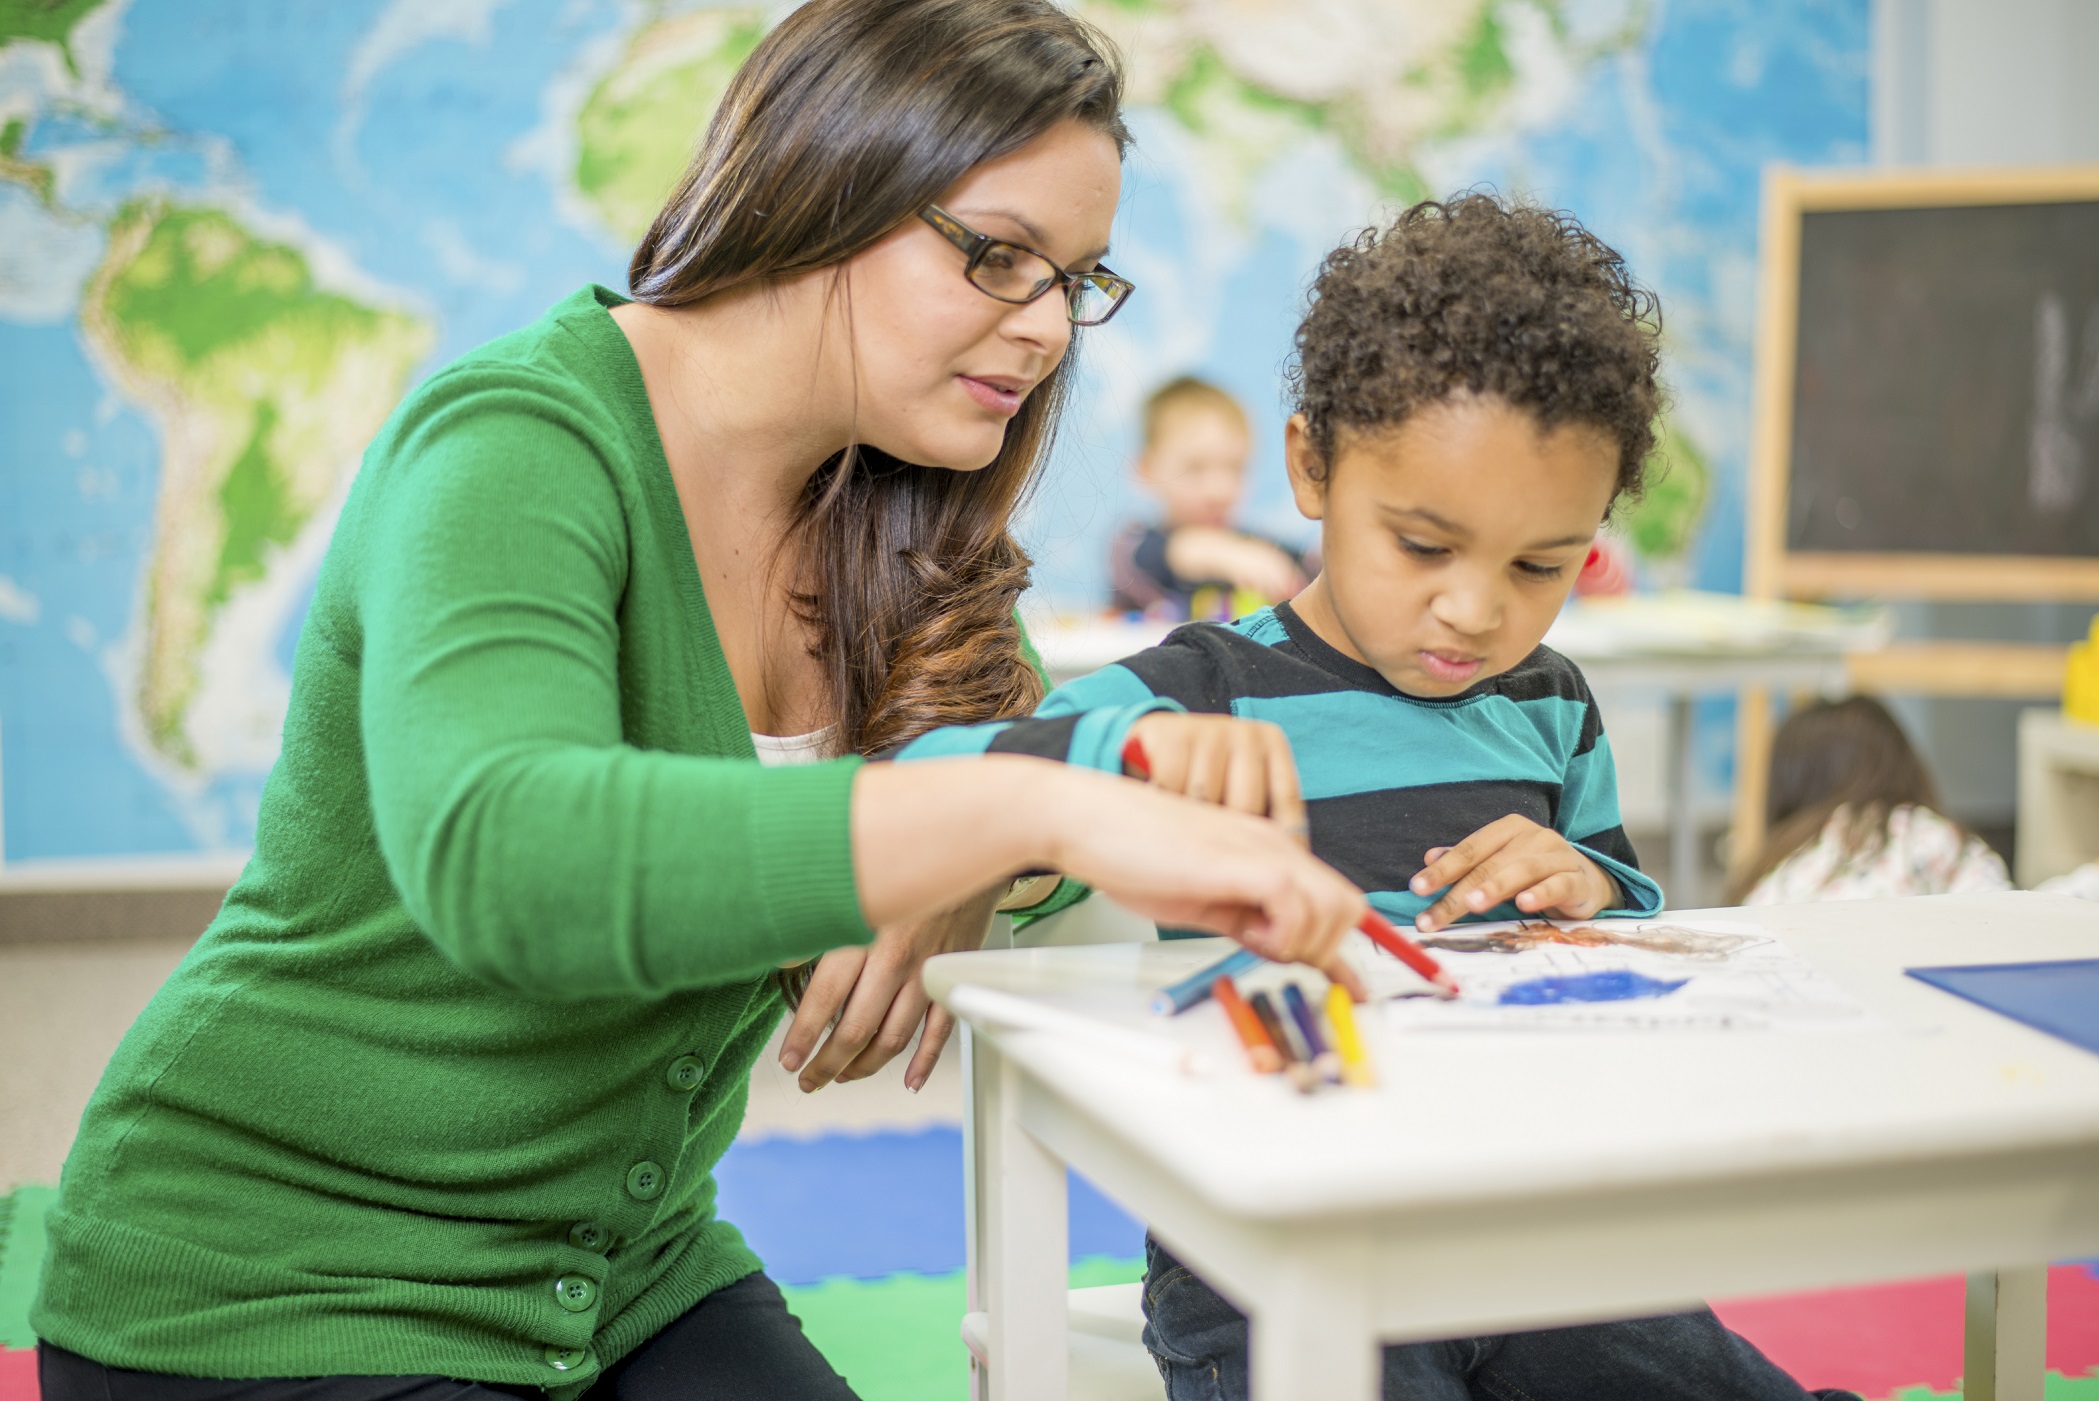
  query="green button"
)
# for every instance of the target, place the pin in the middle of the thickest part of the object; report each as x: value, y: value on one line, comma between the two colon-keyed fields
x: 575, y: 1293
x: 589, y: 1235
x: 644, y: 1181
x: 686, y: 1072
x: 561, y: 1359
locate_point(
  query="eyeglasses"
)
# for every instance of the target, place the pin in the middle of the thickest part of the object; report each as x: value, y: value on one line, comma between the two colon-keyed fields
x: 1019, y: 275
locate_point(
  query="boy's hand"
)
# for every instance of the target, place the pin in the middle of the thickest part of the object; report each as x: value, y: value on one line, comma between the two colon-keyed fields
x: 1512, y: 858
x: 1245, y: 765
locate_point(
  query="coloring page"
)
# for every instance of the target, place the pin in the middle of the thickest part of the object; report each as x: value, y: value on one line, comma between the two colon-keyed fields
x: 1616, y: 974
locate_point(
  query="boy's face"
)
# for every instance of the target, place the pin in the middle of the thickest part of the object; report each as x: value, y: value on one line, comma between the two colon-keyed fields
x: 1197, y: 467
x: 1449, y: 542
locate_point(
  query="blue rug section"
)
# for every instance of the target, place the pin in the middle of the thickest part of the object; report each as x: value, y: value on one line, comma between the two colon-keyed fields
x: 870, y: 1205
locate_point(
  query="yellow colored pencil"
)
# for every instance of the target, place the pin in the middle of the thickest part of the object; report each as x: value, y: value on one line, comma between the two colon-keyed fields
x: 1356, y: 1068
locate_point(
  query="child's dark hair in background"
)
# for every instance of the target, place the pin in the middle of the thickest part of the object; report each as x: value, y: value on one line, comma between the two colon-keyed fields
x: 1487, y: 297
x: 1852, y: 812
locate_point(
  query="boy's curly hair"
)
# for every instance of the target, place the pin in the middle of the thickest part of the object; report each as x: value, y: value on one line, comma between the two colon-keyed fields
x: 1484, y: 295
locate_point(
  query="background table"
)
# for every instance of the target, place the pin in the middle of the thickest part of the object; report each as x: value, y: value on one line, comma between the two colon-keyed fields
x: 1514, y: 1180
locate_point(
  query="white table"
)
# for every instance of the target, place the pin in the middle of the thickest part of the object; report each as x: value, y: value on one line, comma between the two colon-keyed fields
x: 1498, y: 1181
x: 1682, y: 645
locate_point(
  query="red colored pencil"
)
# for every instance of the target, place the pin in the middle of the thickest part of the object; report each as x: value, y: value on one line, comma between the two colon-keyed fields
x: 1407, y: 951
x: 1373, y: 924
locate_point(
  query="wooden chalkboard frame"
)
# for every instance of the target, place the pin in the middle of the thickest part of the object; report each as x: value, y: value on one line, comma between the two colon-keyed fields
x: 1770, y: 569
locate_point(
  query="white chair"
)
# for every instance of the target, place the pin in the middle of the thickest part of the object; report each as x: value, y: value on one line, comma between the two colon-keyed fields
x: 1104, y: 1326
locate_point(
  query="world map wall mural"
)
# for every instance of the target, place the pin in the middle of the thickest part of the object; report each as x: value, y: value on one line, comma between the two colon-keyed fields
x: 234, y: 232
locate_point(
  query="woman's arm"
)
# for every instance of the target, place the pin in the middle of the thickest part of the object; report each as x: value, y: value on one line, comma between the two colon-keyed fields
x: 539, y: 848
x: 923, y: 830
x: 535, y: 843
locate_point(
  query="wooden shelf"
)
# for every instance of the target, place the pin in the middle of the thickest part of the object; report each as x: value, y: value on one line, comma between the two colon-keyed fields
x: 2018, y: 670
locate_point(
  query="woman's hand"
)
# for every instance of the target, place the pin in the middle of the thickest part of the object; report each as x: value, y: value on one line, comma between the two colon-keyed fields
x: 925, y: 829
x: 1511, y: 858
x: 1191, y: 864
x: 878, y: 1000
x: 1245, y: 765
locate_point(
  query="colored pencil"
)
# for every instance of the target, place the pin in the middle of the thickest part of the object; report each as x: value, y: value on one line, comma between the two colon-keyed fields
x: 1348, y: 1038
x: 1376, y: 926
x: 981, y: 1004
x: 1261, y: 1052
x: 1408, y: 952
x: 1325, y: 1060
x: 1179, y: 997
x: 1297, y: 1066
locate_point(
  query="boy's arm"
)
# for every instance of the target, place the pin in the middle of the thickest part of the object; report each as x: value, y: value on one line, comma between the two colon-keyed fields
x: 1589, y: 819
x: 1088, y: 720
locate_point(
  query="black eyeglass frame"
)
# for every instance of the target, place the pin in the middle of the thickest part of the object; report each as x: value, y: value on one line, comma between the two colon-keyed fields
x: 978, y: 246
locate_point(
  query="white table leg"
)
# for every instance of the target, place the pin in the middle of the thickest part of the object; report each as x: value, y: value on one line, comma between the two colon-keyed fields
x: 1019, y: 1268
x: 1312, y: 1345
x: 2007, y: 1335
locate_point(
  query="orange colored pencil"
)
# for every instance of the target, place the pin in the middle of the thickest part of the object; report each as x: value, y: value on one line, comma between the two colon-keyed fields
x: 1261, y: 1052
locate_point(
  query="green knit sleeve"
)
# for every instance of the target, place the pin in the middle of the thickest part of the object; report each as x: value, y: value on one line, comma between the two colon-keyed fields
x: 532, y: 843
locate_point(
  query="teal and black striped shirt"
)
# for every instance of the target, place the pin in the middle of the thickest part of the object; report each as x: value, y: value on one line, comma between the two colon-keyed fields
x: 1386, y: 775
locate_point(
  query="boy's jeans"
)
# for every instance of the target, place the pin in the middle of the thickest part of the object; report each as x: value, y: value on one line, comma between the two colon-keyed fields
x: 1199, y: 1342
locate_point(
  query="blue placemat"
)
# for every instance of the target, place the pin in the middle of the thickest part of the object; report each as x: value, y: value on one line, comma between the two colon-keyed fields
x: 2061, y: 999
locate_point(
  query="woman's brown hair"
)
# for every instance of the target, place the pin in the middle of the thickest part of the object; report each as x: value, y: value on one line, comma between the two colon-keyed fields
x: 848, y: 119
x: 1849, y: 754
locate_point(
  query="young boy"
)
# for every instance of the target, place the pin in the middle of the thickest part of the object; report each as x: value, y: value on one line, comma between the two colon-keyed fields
x: 1194, y: 563
x: 1475, y: 387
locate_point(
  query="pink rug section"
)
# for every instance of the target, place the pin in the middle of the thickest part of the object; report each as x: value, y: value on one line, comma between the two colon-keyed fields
x: 18, y: 1374
x: 1878, y: 1340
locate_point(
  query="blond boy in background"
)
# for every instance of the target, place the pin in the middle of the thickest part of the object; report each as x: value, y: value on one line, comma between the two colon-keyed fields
x: 1195, y: 563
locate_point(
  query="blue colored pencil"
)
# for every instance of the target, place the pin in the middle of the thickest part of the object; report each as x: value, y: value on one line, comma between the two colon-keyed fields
x: 1325, y: 1059
x: 1194, y: 988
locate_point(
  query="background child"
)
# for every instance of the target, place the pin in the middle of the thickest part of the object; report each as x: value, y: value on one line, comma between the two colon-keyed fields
x: 1852, y: 814
x: 1194, y: 561
x: 1475, y: 387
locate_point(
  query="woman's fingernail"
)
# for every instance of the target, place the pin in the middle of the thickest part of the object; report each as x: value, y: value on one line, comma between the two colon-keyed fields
x: 914, y: 1085
x: 790, y: 1061
x: 1419, y: 885
x: 1477, y: 899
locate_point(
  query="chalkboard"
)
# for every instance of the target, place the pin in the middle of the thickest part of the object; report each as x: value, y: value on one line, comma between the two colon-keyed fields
x: 1946, y: 381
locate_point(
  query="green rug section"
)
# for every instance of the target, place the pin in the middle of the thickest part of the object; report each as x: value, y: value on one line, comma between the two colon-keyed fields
x: 900, y: 1338
x: 22, y: 1213
x: 2059, y: 1388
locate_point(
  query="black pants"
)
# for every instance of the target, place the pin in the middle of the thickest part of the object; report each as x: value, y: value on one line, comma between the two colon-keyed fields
x: 738, y: 1344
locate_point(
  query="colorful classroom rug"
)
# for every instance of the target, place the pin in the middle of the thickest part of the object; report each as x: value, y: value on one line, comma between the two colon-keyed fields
x: 864, y: 1233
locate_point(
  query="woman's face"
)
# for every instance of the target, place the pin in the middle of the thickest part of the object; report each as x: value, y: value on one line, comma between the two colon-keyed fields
x: 942, y: 367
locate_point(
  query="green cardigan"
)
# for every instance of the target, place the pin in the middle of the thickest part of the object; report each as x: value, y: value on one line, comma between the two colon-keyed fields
x: 442, y: 1087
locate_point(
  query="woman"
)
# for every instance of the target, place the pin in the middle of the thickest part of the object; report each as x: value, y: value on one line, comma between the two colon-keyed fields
x: 432, y: 1108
